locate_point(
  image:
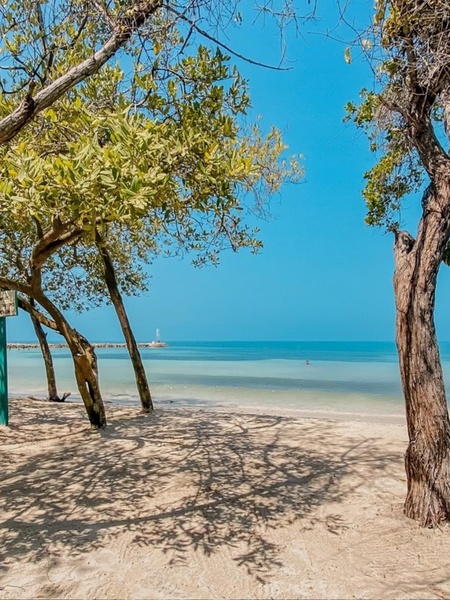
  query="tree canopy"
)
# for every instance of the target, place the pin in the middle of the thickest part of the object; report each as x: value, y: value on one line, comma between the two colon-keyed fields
x: 162, y: 163
x: 177, y: 166
x: 50, y: 46
x: 405, y: 115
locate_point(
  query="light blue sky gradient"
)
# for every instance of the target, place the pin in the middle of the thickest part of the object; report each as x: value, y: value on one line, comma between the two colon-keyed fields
x: 323, y: 274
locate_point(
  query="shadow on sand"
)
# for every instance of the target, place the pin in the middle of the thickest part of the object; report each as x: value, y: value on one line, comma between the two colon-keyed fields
x: 178, y: 480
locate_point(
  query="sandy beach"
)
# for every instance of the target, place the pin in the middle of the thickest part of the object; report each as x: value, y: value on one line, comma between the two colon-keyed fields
x: 190, y: 503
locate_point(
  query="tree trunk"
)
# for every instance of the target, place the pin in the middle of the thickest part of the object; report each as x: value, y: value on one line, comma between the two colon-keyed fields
x: 38, y: 319
x: 427, y: 459
x: 86, y: 375
x: 133, y: 350
x: 48, y: 360
x: 85, y: 363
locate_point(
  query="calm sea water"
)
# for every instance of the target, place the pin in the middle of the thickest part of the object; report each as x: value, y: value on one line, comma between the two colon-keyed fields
x: 356, y: 377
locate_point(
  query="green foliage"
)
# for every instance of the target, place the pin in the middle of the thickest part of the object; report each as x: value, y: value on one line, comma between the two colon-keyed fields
x: 410, y: 46
x: 366, y: 112
x: 388, y: 182
x: 397, y: 172
x: 161, y: 166
x: 95, y: 165
x: 40, y: 40
x: 446, y: 257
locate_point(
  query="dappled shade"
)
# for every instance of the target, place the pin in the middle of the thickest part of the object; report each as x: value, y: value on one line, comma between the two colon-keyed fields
x: 178, y: 480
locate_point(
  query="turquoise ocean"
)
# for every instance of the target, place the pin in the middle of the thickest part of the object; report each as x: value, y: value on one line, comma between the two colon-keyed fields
x: 344, y: 377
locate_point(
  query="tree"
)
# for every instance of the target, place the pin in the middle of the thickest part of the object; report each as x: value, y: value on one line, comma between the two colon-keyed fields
x: 176, y: 165
x: 51, y: 46
x: 110, y: 278
x: 407, y: 119
x: 52, y: 390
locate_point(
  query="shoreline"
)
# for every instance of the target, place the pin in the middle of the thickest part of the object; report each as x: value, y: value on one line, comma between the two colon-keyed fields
x: 242, y: 409
x: 257, y: 382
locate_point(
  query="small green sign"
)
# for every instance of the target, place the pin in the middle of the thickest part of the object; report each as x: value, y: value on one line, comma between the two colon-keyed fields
x: 3, y: 374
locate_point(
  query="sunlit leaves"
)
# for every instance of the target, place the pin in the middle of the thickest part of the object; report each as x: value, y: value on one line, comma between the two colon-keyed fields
x: 173, y: 170
x: 411, y: 56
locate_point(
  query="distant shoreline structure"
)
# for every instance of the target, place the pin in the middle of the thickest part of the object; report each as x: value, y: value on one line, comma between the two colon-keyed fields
x: 157, y: 343
x: 31, y: 345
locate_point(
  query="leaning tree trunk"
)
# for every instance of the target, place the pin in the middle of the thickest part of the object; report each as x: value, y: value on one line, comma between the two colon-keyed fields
x: 85, y: 363
x: 133, y: 350
x: 36, y: 319
x: 427, y: 459
x: 52, y: 390
x: 48, y: 360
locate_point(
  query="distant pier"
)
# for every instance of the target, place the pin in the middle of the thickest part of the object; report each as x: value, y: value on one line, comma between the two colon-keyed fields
x: 17, y: 346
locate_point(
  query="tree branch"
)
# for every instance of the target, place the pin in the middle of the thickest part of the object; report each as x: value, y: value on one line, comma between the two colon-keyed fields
x: 60, y: 235
x: 222, y: 45
x: 125, y: 28
x: 32, y: 310
x: 421, y: 132
x: 11, y: 284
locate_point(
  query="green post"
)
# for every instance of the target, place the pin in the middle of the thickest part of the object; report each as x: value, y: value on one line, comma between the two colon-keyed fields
x: 3, y: 374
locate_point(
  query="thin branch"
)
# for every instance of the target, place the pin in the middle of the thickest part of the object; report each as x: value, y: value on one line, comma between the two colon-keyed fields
x: 40, y: 18
x: 225, y: 46
x: 104, y: 11
x: 33, y: 311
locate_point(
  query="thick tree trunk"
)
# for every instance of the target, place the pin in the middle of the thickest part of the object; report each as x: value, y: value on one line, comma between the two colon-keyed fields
x: 85, y: 363
x: 86, y: 375
x: 133, y: 350
x: 427, y: 459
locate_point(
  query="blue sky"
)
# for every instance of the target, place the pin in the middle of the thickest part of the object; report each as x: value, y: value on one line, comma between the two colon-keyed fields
x: 322, y: 274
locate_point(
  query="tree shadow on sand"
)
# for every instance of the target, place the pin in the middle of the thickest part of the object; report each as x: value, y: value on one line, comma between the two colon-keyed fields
x: 179, y: 480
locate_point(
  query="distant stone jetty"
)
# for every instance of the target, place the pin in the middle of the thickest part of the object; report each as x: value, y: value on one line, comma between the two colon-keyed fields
x: 17, y: 346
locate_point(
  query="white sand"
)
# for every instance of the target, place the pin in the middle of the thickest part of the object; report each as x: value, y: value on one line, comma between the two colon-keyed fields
x: 196, y: 504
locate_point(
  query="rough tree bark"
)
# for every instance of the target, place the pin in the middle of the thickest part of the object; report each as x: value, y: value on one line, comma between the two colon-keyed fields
x: 85, y: 363
x: 133, y: 350
x: 427, y: 459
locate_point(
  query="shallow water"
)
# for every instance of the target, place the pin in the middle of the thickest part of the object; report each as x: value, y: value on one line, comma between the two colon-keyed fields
x: 355, y: 377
